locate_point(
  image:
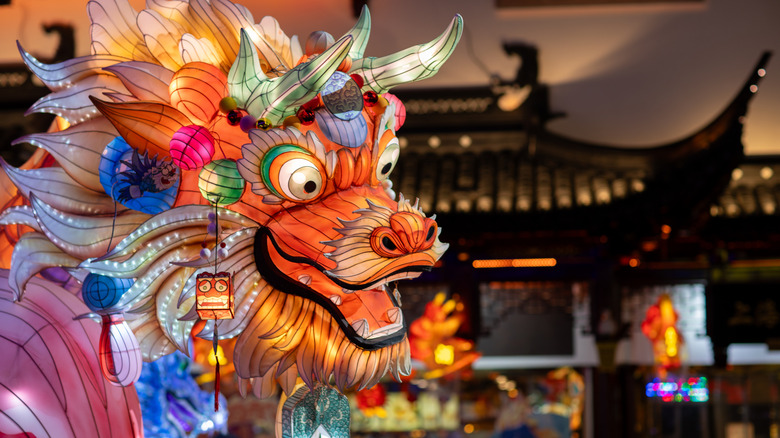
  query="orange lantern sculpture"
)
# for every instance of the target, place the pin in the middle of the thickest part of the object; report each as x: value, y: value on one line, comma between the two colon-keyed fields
x: 309, y: 183
x: 660, y: 326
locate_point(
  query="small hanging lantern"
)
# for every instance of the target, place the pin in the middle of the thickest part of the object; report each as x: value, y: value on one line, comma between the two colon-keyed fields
x: 120, y: 354
x: 191, y: 147
x: 220, y: 183
x: 214, y: 295
x: 101, y: 293
x: 214, y: 300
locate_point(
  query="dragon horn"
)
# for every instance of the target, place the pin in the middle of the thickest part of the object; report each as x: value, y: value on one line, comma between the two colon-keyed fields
x: 360, y: 32
x: 410, y: 65
x: 245, y: 73
x: 280, y: 97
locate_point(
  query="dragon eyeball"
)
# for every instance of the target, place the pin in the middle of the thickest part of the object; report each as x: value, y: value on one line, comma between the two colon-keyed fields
x: 293, y: 173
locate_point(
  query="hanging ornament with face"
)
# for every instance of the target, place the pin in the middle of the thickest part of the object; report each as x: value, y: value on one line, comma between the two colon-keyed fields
x: 214, y: 295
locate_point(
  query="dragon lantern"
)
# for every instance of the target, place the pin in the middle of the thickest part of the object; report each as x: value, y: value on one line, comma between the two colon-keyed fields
x: 200, y: 141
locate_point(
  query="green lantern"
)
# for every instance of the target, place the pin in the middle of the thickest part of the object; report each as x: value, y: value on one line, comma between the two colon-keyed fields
x: 220, y: 183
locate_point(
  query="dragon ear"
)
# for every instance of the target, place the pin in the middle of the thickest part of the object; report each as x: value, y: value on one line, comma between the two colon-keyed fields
x: 146, y: 126
x: 410, y: 65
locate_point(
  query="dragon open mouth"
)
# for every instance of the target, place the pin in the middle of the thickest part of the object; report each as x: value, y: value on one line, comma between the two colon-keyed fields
x: 369, y: 313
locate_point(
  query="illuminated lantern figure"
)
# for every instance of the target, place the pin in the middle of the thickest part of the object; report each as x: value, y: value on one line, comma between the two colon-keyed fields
x: 312, y: 232
x: 120, y: 354
x: 660, y: 326
x: 214, y: 296
x: 191, y: 147
x: 220, y: 183
x: 433, y: 340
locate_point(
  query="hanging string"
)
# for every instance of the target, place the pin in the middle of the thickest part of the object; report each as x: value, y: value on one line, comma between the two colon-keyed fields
x: 216, y: 371
x: 215, y: 339
x: 113, y: 222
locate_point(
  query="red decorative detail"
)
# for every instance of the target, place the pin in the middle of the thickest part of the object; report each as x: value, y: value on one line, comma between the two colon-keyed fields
x: 358, y: 79
x: 214, y: 295
x: 234, y: 117
x: 306, y: 116
x: 370, y: 98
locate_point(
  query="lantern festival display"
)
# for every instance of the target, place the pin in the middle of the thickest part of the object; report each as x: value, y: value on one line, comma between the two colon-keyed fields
x: 197, y: 139
x: 660, y: 326
x: 433, y: 341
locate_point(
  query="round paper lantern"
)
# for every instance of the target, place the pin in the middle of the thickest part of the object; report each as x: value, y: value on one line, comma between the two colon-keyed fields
x: 101, y: 292
x: 220, y: 182
x: 192, y: 147
x: 197, y: 90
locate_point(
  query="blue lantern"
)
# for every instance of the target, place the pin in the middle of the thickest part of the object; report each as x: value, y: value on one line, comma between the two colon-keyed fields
x: 101, y: 292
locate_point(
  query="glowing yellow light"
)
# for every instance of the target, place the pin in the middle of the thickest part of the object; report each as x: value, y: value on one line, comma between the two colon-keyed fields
x: 444, y: 354
x: 468, y: 429
x: 515, y: 263
x: 670, y: 338
x: 220, y: 354
x: 633, y: 263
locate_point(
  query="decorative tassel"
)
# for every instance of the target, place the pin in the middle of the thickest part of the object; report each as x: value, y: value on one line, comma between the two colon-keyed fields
x: 216, y: 371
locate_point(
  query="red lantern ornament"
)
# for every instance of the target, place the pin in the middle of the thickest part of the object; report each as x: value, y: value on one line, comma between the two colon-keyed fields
x: 370, y: 98
x: 306, y: 116
x: 214, y: 296
x: 192, y: 147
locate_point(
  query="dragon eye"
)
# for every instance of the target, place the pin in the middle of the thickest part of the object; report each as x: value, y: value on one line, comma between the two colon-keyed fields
x: 205, y: 286
x: 293, y: 173
x: 386, y: 162
x: 220, y: 286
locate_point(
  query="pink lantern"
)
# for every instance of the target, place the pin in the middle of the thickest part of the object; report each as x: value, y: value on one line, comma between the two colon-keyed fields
x: 192, y: 147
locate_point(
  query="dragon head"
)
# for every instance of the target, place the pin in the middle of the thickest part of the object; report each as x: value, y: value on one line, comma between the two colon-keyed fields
x: 313, y: 235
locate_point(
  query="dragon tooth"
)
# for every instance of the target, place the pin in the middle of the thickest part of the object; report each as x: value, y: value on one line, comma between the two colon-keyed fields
x: 347, y: 291
x: 305, y: 279
x: 336, y: 299
x: 397, y: 296
x: 394, y: 315
x: 361, y: 327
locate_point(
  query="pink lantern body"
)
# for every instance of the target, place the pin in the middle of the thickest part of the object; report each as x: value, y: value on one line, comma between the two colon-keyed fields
x: 120, y: 355
x: 50, y: 384
x: 192, y: 147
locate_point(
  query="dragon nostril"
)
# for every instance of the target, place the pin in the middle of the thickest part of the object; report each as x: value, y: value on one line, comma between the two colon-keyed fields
x: 388, y: 244
x: 429, y: 236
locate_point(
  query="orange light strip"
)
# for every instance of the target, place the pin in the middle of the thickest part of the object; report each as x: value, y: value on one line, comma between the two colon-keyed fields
x: 515, y: 263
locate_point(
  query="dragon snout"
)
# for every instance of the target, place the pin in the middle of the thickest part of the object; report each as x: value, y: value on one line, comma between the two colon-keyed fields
x: 407, y: 233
